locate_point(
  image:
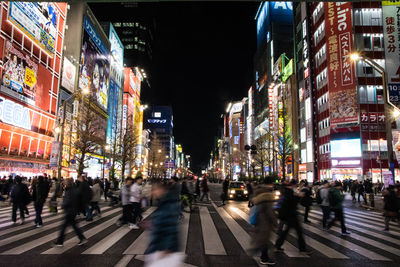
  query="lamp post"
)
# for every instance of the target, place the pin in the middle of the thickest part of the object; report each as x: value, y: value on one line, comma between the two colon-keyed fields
x: 387, y: 104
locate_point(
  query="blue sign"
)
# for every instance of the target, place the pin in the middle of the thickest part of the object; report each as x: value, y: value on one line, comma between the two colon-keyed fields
x: 113, y: 99
x: 94, y: 36
x: 394, y: 93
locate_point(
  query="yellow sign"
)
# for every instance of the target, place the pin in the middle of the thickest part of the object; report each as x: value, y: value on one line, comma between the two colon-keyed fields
x: 30, y: 78
x: 391, y: 3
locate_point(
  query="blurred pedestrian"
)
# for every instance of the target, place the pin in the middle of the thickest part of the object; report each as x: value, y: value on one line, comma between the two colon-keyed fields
x: 85, y: 195
x: 336, y: 203
x: 164, y: 236
x: 288, y: 214
x: 96, y: 196
x: 126, y: 204
x: 40, y: 192
x: 106, y: 188
x: 71, y: 204
x: 135, y: 199
x: 324, y: 195
x: 197, y: 189
x: 265, y: 222
x: 306, y: 200
x: 361, y: 192
x: 249, y: 188
x: 20, y: 197
x: 391, y: 206
x: 225, y: 187
x: 204, y: 189
x: 353, y: 190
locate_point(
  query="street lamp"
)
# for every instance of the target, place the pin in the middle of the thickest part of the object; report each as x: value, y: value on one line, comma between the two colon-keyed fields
x: 388, y: 119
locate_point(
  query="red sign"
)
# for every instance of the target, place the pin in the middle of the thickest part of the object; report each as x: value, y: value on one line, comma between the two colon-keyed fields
x: 372, y: 117
x: 302, y: 167
x: 343, y: 102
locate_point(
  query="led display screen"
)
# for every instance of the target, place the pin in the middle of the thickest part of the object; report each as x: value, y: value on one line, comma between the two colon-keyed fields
x: 346, y: 148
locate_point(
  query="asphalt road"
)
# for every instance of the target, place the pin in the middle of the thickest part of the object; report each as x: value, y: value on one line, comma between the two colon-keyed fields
x: 211, y: 236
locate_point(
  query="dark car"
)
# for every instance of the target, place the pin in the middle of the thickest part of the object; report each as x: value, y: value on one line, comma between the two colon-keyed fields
x: 237, y: 190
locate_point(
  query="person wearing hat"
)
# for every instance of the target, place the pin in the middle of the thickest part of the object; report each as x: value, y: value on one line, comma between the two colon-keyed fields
x: 336, y: 203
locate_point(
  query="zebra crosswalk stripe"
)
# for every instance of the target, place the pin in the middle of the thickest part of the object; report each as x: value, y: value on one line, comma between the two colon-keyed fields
x: 211, y: 239
x: 378, y: 220
x: 70, y: 243
x: 323, y: 249
x: 123, y: 262
x: 45, y: 239
x: 107, y: 242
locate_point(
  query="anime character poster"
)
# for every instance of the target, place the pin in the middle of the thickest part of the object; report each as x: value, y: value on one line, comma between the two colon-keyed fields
x: 95, y: 66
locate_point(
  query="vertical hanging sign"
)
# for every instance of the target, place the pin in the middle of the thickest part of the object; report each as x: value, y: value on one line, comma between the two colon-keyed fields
x: 343, y: 102
x: 391, y: 32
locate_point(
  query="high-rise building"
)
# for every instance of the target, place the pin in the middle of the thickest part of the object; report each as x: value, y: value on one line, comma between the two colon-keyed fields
x: 342, y: 100
x: 159, y: 120
x: 31, y: 55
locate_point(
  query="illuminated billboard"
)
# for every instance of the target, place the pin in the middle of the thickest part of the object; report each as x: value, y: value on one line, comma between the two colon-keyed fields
x: 19, y: 75
x: 346, y: 148
x: 37, y: 20
x: 95, y: 65
x: 343, y: 99
x: 117, y: 48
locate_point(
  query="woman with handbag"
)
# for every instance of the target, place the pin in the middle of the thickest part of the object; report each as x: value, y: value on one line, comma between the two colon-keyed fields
x: 391, y: 208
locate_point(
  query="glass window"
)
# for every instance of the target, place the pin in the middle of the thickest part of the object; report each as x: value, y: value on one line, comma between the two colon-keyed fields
x: 367, y: 42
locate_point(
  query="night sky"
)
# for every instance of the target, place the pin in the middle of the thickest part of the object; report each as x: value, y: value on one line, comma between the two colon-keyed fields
x: 203, y: 59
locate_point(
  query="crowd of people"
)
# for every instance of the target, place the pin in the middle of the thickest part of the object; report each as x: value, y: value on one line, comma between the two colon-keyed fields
x: 171, y: 196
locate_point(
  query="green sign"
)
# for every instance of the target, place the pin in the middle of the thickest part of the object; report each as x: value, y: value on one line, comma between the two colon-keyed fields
x: 287, y: 71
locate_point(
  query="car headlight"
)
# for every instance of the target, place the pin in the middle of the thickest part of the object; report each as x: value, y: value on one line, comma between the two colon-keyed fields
x: 233, y: 191
x: 245, y: 192
x: 277, y: 193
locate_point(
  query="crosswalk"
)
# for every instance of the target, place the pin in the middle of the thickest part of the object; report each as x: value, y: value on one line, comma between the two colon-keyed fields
x: 219, y: 231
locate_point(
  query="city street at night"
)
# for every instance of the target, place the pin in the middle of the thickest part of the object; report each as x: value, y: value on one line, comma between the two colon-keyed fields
x: 177, y: 133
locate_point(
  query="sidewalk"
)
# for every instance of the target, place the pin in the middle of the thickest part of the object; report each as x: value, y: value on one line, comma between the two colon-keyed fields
x: 348, y: 203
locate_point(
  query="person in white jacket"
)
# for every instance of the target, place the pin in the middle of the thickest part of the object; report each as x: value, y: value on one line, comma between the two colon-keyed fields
x: 135, y: 198
x: 96, y: 195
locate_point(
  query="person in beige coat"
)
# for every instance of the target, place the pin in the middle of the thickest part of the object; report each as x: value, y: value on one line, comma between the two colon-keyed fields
x: 97, y: 192
x: 265, y: 221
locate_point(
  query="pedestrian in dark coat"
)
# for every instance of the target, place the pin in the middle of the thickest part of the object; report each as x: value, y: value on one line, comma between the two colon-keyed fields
x: 306, y: 200
x: 85, y: 195
x: 263, y: 199
x: 288, y: 214
x: 204, y: 189
x: 164, y: 235
x: 71, y: 202
x: 225, y: 186
x: 391, y: 207
x: 20, y: 197
x: 39, y: 195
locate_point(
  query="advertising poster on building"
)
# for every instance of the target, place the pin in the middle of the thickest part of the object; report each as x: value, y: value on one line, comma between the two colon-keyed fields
x: 68, y: 75
x: 391, y: 37
x: 95, y: 65
x: 396, y: 143
x: 117, y: 48
x: 37, y: 20
x: 343, y: 99
x: 54, y: 154
x: 19, y: 75
x: 113, y: 101
x: 387, y: 178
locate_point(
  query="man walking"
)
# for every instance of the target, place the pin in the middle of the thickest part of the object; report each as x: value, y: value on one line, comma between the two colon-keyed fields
x: 126, y: 205
x: 288, y: 214
x: 324, y: 195
x: 39, y: 195
x: 135, y: 198
x: 225, y: 186
x: 70, y: 205
x: 336, y: 202
x: 85, y: 195
x: 19, y: 197
x: 204, y: 189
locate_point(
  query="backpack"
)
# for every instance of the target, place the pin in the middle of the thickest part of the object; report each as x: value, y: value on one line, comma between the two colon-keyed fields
x: 333, y: 201
x: 253, y: 215
x: 318, y: 197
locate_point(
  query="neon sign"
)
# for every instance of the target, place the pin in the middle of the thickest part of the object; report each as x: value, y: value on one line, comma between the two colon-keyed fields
x: 14, y: 114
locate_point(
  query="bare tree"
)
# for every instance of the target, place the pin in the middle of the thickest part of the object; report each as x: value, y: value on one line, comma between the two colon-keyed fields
x: 264, y: 157
x: 88, y: 136
x: 128, y: 149
x: 157, y: 157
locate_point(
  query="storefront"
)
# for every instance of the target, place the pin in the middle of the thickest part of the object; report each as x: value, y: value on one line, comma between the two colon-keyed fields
x: 344, y: 169
x: 23, y: 168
